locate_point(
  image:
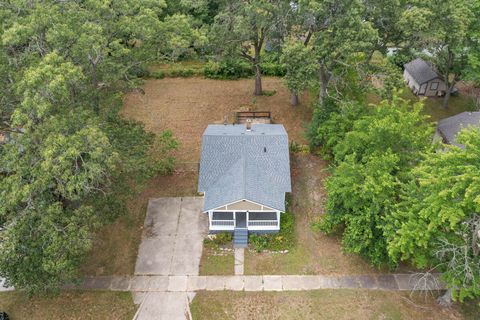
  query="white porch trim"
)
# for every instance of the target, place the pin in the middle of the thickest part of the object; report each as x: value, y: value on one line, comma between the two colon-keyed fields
x: 252, y: 225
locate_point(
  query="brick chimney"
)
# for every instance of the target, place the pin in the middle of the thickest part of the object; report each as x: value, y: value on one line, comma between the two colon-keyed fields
x: 249, y: 124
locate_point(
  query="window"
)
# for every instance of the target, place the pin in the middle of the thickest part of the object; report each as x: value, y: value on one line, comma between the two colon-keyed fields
x: 434, y: 86
x: 222, y: 216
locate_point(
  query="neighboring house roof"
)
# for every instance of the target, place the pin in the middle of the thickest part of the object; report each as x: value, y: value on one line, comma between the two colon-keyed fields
x: 238, y: 164
x: 420, y: 70
x: 448, y: 128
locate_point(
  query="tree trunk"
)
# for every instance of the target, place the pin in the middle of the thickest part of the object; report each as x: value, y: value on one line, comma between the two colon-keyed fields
x: 96, y: 100
x: 294, y: 100
x: 258, y: 81
x: 258, y: 72
x: 446, y: 299
x: 446, y: 97
x: 323, y: 79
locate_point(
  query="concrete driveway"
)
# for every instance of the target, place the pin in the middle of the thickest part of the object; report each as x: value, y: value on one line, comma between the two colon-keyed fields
x: 173, y: 235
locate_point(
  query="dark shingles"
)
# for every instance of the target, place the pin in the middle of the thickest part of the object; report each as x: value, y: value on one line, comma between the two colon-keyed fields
x: 448, y: 128
x: 420, y: 70
x: 239, y: 164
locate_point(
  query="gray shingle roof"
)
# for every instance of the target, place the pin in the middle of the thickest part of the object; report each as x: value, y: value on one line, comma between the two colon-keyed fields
x: 420, y: 70
x: 450, y: 127
x: 238, y: 164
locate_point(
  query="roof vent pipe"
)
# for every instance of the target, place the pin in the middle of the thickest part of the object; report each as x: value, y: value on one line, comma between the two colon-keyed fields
x: 249, y: 125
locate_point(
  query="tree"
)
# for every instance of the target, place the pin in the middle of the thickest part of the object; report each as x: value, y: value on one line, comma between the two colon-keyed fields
x: 437, y: 222
x: 301, y: 68
x: 386, y: 16
x: 338, y: 34
x: 448, y: 31
x: 374, y: 160
x: 242, y: 28
x: 62, y: 66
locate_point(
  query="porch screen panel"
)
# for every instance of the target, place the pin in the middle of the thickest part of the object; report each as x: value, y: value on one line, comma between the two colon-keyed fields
x: 262, y: 216
x: 222, y: 215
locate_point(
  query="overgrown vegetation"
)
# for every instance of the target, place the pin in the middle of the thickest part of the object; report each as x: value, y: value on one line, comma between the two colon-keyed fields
x: 283, y: 240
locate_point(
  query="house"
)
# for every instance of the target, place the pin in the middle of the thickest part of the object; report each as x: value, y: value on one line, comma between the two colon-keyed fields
x: 244, y: 175
x: 448, y: 128
x: 422, y: 79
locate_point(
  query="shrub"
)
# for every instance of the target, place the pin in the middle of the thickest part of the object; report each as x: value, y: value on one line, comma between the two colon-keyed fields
x: 273, y: 69
x: 220, y: 239
x: 269, y: 93
x: 229, y: 69
x: 182, y: 72
x: 283, y: 240
x: 158, y: 74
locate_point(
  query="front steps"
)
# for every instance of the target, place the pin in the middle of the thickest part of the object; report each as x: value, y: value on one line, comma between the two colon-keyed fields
x: 240, y: 238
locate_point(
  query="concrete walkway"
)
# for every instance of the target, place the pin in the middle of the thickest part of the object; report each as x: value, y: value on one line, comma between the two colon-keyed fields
x: 401, y: 282
x: 239, y: 261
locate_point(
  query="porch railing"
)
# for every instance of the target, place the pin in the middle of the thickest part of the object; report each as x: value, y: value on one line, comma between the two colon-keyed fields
x: 262, y: 223
x: 223, y: 222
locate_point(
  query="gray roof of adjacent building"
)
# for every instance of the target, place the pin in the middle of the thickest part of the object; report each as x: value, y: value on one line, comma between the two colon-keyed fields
x: 420, y: 70
x: 448, y: 128
x: 239, y: 164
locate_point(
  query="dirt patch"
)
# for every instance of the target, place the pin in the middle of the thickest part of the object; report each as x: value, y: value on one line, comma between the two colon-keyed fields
x: 188, y: 105
x: 320, y: 304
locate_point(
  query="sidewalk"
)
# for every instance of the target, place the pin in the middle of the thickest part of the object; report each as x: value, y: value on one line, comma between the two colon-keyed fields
x: 400, y: 282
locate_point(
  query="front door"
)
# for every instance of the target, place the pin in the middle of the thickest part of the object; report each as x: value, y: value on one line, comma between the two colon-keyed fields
x: 423, y: 88
x: 241, y: 219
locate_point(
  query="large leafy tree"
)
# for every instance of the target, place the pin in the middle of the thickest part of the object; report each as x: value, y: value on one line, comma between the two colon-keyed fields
x: 300, y: 68
x: 374, y: 159
x: 437, y: 223
x: 242, y: 28
x: 62, y: 65
x: 340, y: 37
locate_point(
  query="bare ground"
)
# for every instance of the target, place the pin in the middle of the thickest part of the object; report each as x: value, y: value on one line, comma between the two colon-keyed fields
x: 187, y: 105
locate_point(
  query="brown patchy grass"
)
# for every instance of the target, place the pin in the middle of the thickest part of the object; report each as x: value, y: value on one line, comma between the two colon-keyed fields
x: 188, y: 105
x: 116, y: 245
x: 69, y: 305
x: 319, y: 304
x: 314, y: 252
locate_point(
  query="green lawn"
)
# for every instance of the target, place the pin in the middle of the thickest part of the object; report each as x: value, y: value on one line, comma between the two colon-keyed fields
x: 319, y: 304
x: 433, y: 106
x: 69, y: 305
x: 216, y: 262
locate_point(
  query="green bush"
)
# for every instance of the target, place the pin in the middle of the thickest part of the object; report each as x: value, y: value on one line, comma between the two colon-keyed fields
x: 273, y: 69
x: 158, y: 74
x: 183, y: 72
x: 220, y: 239
x: 229, y: 69
x: 283, y: 240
